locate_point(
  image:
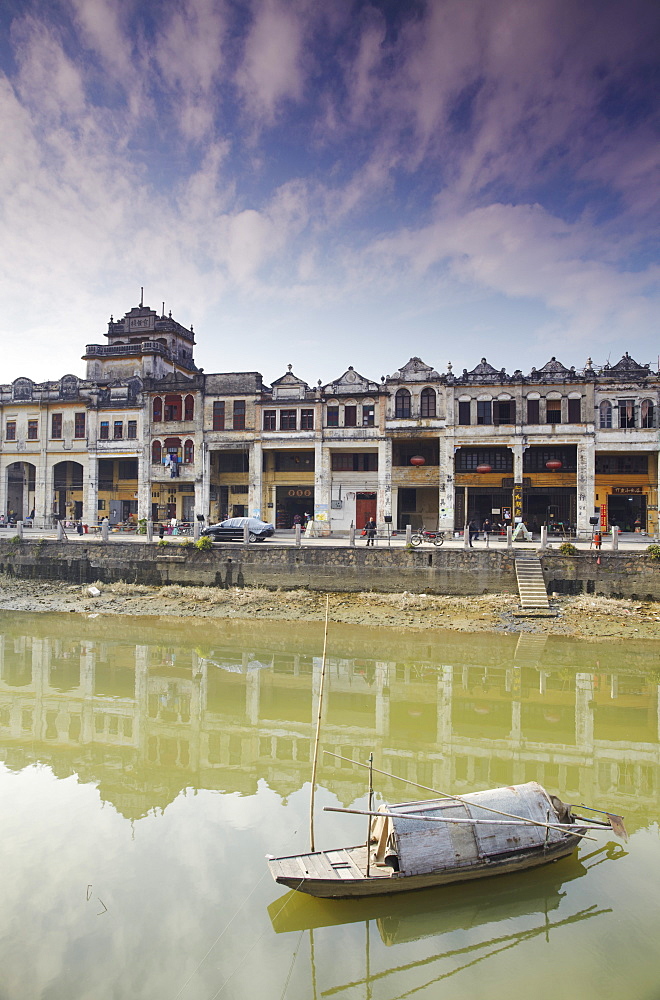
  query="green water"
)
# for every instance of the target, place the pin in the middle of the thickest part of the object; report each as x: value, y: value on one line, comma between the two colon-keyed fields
x: 147, y: 767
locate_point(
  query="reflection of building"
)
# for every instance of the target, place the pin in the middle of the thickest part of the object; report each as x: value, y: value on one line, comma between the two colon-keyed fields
x: 146, y: 721
x: 149, y: 433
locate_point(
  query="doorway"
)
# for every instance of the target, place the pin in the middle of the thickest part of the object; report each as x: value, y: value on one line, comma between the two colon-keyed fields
x: 365, y: 507
x: 627, y: 511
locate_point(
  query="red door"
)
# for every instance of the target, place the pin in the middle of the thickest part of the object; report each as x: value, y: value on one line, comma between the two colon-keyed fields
x: 365, y: 507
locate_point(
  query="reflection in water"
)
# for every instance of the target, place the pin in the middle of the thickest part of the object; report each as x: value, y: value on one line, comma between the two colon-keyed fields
x: 145, y: 716
x: 223, y: 716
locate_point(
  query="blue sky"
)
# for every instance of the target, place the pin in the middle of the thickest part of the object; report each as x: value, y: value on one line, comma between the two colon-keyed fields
x: 332, y: 183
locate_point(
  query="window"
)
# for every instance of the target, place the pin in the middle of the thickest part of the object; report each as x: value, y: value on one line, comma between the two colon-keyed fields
x: 233, y: 461
x: 10, y: 430
x: 368, y: 415
x: 637, y: 465
x: 270, y: 421
x: 647, y: 413
x: 156, y: 453
x: 118, y: 430
x: 294, y: 461
x: 128, y: 469
x: 288, y: 420
x: 104, y: 430
x: 333, y: 416
x: 536, y: 459
x: 189, y: 408
x: 504, y: 412
x: 484, y: 411
x: 626, y: 413
x: 79, y: 425
x: 131, y: 430
x: 219, y: 415
x: 402, y: 404
x: 172, y: 408
x: 464, y: 413
x: 606, y: 413
x: 188, y: 453
x: 574, y: 411
x: 350, y: 416
x: 499, y: 459
x: 354, y: 462
x: 533, y: 415
x: 33, y: 430
x: 307, y: 420
x: 157, y: 409
x: 238, y: 421
x: 56, y: 425
x: 427, y: 403
x: 553, y: 411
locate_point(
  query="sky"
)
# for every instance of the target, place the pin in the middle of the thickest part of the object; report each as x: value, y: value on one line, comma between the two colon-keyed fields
x: 327, y: 183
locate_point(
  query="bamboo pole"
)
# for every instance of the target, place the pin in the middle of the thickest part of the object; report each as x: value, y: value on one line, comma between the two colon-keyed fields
x: 446, y: 795
x: 519, y: 820
x: 318, y: 728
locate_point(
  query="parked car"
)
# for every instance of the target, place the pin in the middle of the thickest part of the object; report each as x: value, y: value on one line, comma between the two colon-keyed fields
x: 232, y: 530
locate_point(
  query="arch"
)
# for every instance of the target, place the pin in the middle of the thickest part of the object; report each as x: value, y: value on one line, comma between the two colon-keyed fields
x: 156, y: 453
x: 188, y: 453
x: 402, y: 404
x: 172, y: 409
x: 68, y: 489
x: 21, y: 478
x: 428, y: 402
x: 172, y: 446
x: 647, y: 413
x: 605, y: 412
x: 157, y: 410
x: 21, y: 388
x: 189, y: 407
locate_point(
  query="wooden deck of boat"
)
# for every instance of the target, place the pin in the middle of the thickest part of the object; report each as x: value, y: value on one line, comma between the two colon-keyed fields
x: 347, y: 864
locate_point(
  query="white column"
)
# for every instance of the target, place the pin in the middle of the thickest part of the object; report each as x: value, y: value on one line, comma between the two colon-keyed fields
x: 43, y: 494
x: 255, y: 499
x: 446, y: 501
x: 322, y: 488
x: 586, y: 484
x: 144, y: 483
x: 203, y: 481
x: 444, y: 692
x: 3, y: 488
x: 384, y: 501
x: 91, y: 489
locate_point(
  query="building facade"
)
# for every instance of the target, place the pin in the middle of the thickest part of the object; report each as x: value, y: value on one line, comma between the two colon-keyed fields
x: 148, y: 434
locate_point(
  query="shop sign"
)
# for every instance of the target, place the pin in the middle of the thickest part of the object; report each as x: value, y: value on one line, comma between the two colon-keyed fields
x: 495, y: 510
x: 603, y: 515
x: 517, y: 500
x: 299, y: 493
x: 619, y: 490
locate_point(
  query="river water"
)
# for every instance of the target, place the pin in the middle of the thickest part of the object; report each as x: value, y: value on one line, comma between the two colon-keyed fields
x: 148, y: 766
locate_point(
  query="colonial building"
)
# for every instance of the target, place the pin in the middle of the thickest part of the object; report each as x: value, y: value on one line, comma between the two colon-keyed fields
x: 147, y: 433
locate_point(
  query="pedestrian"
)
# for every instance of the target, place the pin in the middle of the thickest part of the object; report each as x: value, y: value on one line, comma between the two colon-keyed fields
x: 486, y: 527
x: 161, y: 530
x: 296, y: 519
x: 473, y: 534
x: 79, y: 528
x: 370, y: 529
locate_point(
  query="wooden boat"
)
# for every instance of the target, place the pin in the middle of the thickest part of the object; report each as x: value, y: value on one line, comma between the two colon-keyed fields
x: 415, y: 845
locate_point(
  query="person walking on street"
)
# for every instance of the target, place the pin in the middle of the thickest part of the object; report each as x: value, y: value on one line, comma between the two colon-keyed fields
x: 472, y: 531
x: 370, y: 528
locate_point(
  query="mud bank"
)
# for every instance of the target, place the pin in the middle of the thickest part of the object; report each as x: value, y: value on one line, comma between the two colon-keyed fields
x: 584, y: 616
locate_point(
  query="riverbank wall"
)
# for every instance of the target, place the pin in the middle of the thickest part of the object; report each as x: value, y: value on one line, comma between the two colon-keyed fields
x: 419, y: 571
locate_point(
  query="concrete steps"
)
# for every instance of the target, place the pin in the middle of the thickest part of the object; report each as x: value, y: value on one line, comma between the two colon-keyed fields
x: 531, y: 585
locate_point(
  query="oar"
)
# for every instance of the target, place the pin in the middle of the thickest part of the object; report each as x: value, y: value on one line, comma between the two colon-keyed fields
x: 570, y: 827
x: 446, y: 795
x: 616, y: 822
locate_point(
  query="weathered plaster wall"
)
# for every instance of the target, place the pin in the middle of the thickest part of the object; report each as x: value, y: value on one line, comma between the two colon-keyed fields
x: 449, y: 571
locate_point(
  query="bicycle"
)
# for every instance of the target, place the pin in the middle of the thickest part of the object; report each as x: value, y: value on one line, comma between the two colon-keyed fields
x: 437, y: 537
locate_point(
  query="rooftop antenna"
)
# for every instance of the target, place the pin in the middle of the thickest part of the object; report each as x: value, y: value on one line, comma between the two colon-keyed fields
x: 141, y: 296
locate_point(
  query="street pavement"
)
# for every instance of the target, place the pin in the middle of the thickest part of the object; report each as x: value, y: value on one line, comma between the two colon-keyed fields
x: 627, y: 542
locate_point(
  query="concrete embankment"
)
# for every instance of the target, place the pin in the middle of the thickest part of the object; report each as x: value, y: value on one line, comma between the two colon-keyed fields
x: 429, y: 571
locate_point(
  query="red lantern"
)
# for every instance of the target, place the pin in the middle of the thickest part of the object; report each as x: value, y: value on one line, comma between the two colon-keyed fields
x: 484, y: 468
x: 554, y: 465
x: 418, y: 460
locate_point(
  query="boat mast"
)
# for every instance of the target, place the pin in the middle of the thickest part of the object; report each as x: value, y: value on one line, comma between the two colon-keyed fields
x: 371, y: 806
x: 318, y: 729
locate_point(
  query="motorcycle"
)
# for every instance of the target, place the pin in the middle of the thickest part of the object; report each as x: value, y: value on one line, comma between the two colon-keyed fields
x: 437, y: 537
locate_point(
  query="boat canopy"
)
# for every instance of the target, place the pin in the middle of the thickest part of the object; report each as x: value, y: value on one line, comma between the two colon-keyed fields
x: 423, y: 847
